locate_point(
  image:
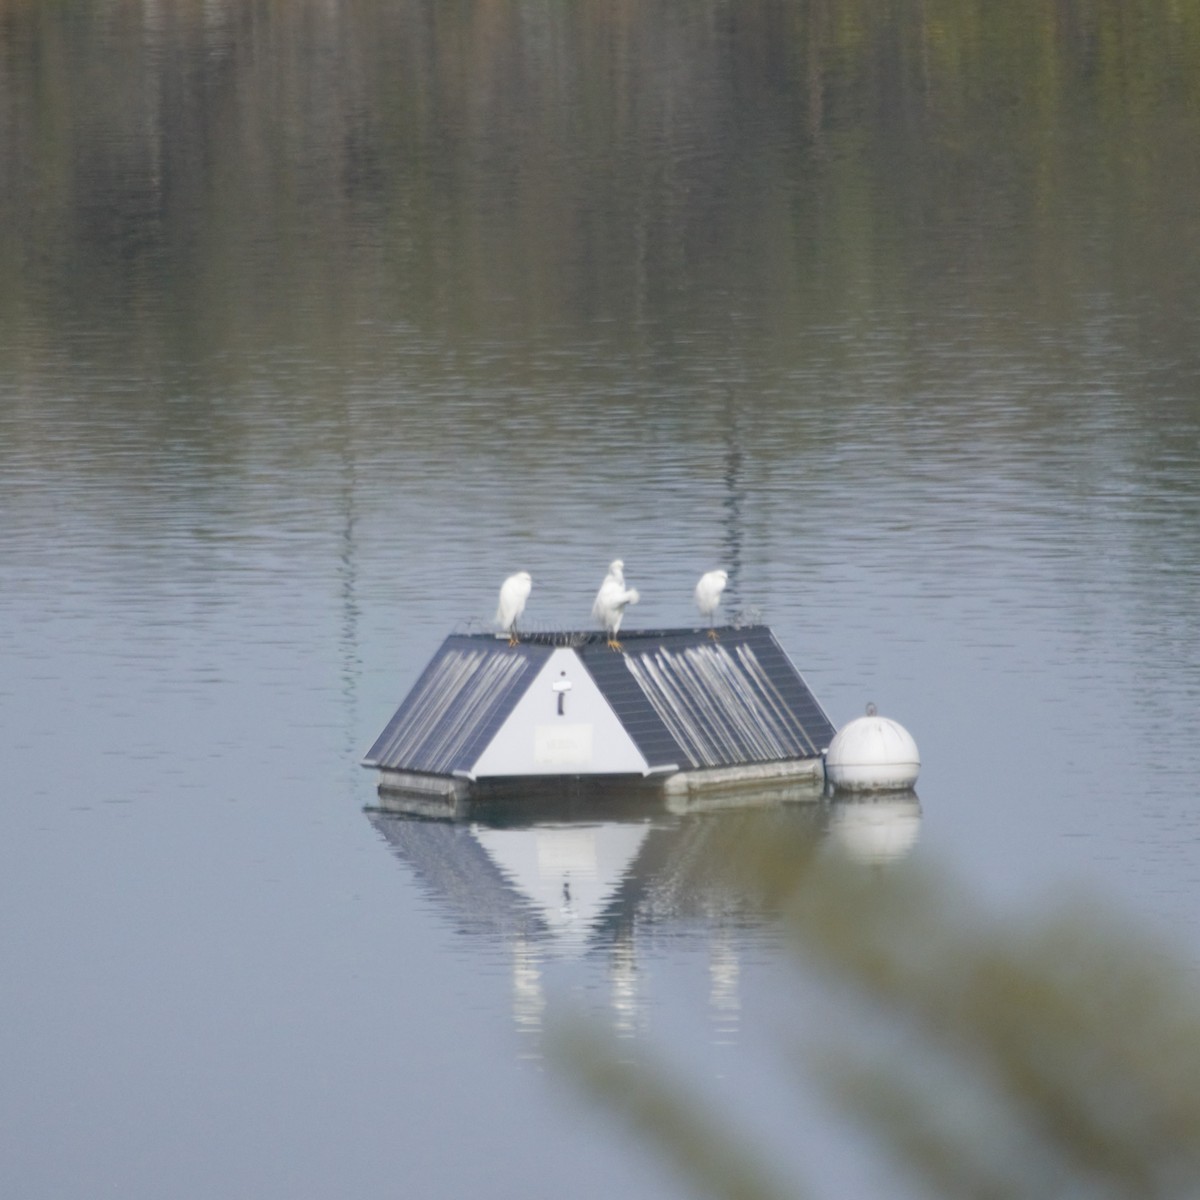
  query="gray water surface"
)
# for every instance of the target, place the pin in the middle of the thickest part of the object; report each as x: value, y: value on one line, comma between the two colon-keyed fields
x: 317, y: 324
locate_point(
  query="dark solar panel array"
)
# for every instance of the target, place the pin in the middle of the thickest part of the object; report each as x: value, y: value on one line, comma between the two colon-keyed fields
x: 701, y: 703
x: 456, y: 707
x: 630, y: 703
x: 685, y: 700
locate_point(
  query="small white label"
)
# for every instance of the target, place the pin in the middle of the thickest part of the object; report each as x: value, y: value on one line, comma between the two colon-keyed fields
x: 562, y: 745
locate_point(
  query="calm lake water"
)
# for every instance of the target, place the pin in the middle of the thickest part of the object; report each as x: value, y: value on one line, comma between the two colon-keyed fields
x: 316, y: 324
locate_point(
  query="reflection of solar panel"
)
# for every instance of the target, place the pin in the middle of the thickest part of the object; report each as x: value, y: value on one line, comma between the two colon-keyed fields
x: 679, y: 700
x: 680, y: 869
x: 457, y: 706
x: 687, y: 699
x: 454, y: 865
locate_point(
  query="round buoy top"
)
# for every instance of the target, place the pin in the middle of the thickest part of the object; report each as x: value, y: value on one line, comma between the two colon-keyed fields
x: 872, y: 753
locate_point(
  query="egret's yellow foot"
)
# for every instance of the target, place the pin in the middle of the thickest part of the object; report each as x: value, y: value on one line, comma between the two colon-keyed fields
x: 613, y: 644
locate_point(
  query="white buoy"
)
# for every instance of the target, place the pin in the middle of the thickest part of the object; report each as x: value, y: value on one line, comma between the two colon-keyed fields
x: 872, y: 754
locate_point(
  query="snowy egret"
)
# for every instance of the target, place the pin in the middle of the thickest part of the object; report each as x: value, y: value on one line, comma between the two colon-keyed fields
x: 611, y: 601
x: 514, y: 591
x: 708, y: 596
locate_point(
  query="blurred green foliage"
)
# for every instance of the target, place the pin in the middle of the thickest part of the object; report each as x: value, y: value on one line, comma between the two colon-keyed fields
x: 1051, y: 1055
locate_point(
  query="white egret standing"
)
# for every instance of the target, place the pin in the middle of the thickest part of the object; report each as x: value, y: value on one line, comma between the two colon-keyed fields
x: 708, y: 596
x: 514, y: 591
x: 611, y: 601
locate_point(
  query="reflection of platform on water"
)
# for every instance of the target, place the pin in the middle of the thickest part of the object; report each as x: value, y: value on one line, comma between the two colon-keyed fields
x: 595, y: 875
x: 578, y: 871
x: 567, y: 873
x: 580, y: 884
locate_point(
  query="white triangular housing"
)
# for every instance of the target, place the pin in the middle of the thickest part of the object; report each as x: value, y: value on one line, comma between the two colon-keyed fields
x: 586, y: 738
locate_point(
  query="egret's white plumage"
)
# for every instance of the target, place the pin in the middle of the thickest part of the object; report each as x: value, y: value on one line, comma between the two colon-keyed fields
x: 708, y: 592
x: 514, y: 591
x: 612, y: 600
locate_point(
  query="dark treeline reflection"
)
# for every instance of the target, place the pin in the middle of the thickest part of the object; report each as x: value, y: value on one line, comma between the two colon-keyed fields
x: 198, y: 174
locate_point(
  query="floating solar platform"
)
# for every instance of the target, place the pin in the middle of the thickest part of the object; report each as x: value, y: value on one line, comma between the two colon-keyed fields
x: 675, y: 708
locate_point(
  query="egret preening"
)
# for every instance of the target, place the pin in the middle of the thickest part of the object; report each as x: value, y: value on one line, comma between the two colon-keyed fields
x: 514, y: 591
x: 611, y: 601
x: 708, y: 596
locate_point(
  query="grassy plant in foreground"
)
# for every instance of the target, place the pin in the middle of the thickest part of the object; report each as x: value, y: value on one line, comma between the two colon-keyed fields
x: 1050, y: 1056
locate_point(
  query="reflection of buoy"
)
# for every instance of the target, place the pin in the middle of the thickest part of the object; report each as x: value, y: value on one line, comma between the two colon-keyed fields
x: 875, y: 830
x: 872, y: 754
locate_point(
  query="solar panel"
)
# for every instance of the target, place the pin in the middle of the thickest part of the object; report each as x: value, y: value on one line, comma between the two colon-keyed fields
x: 688, y: 699
x: 457, y: 705
x: 633, y: 708
x: 685, y: 700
